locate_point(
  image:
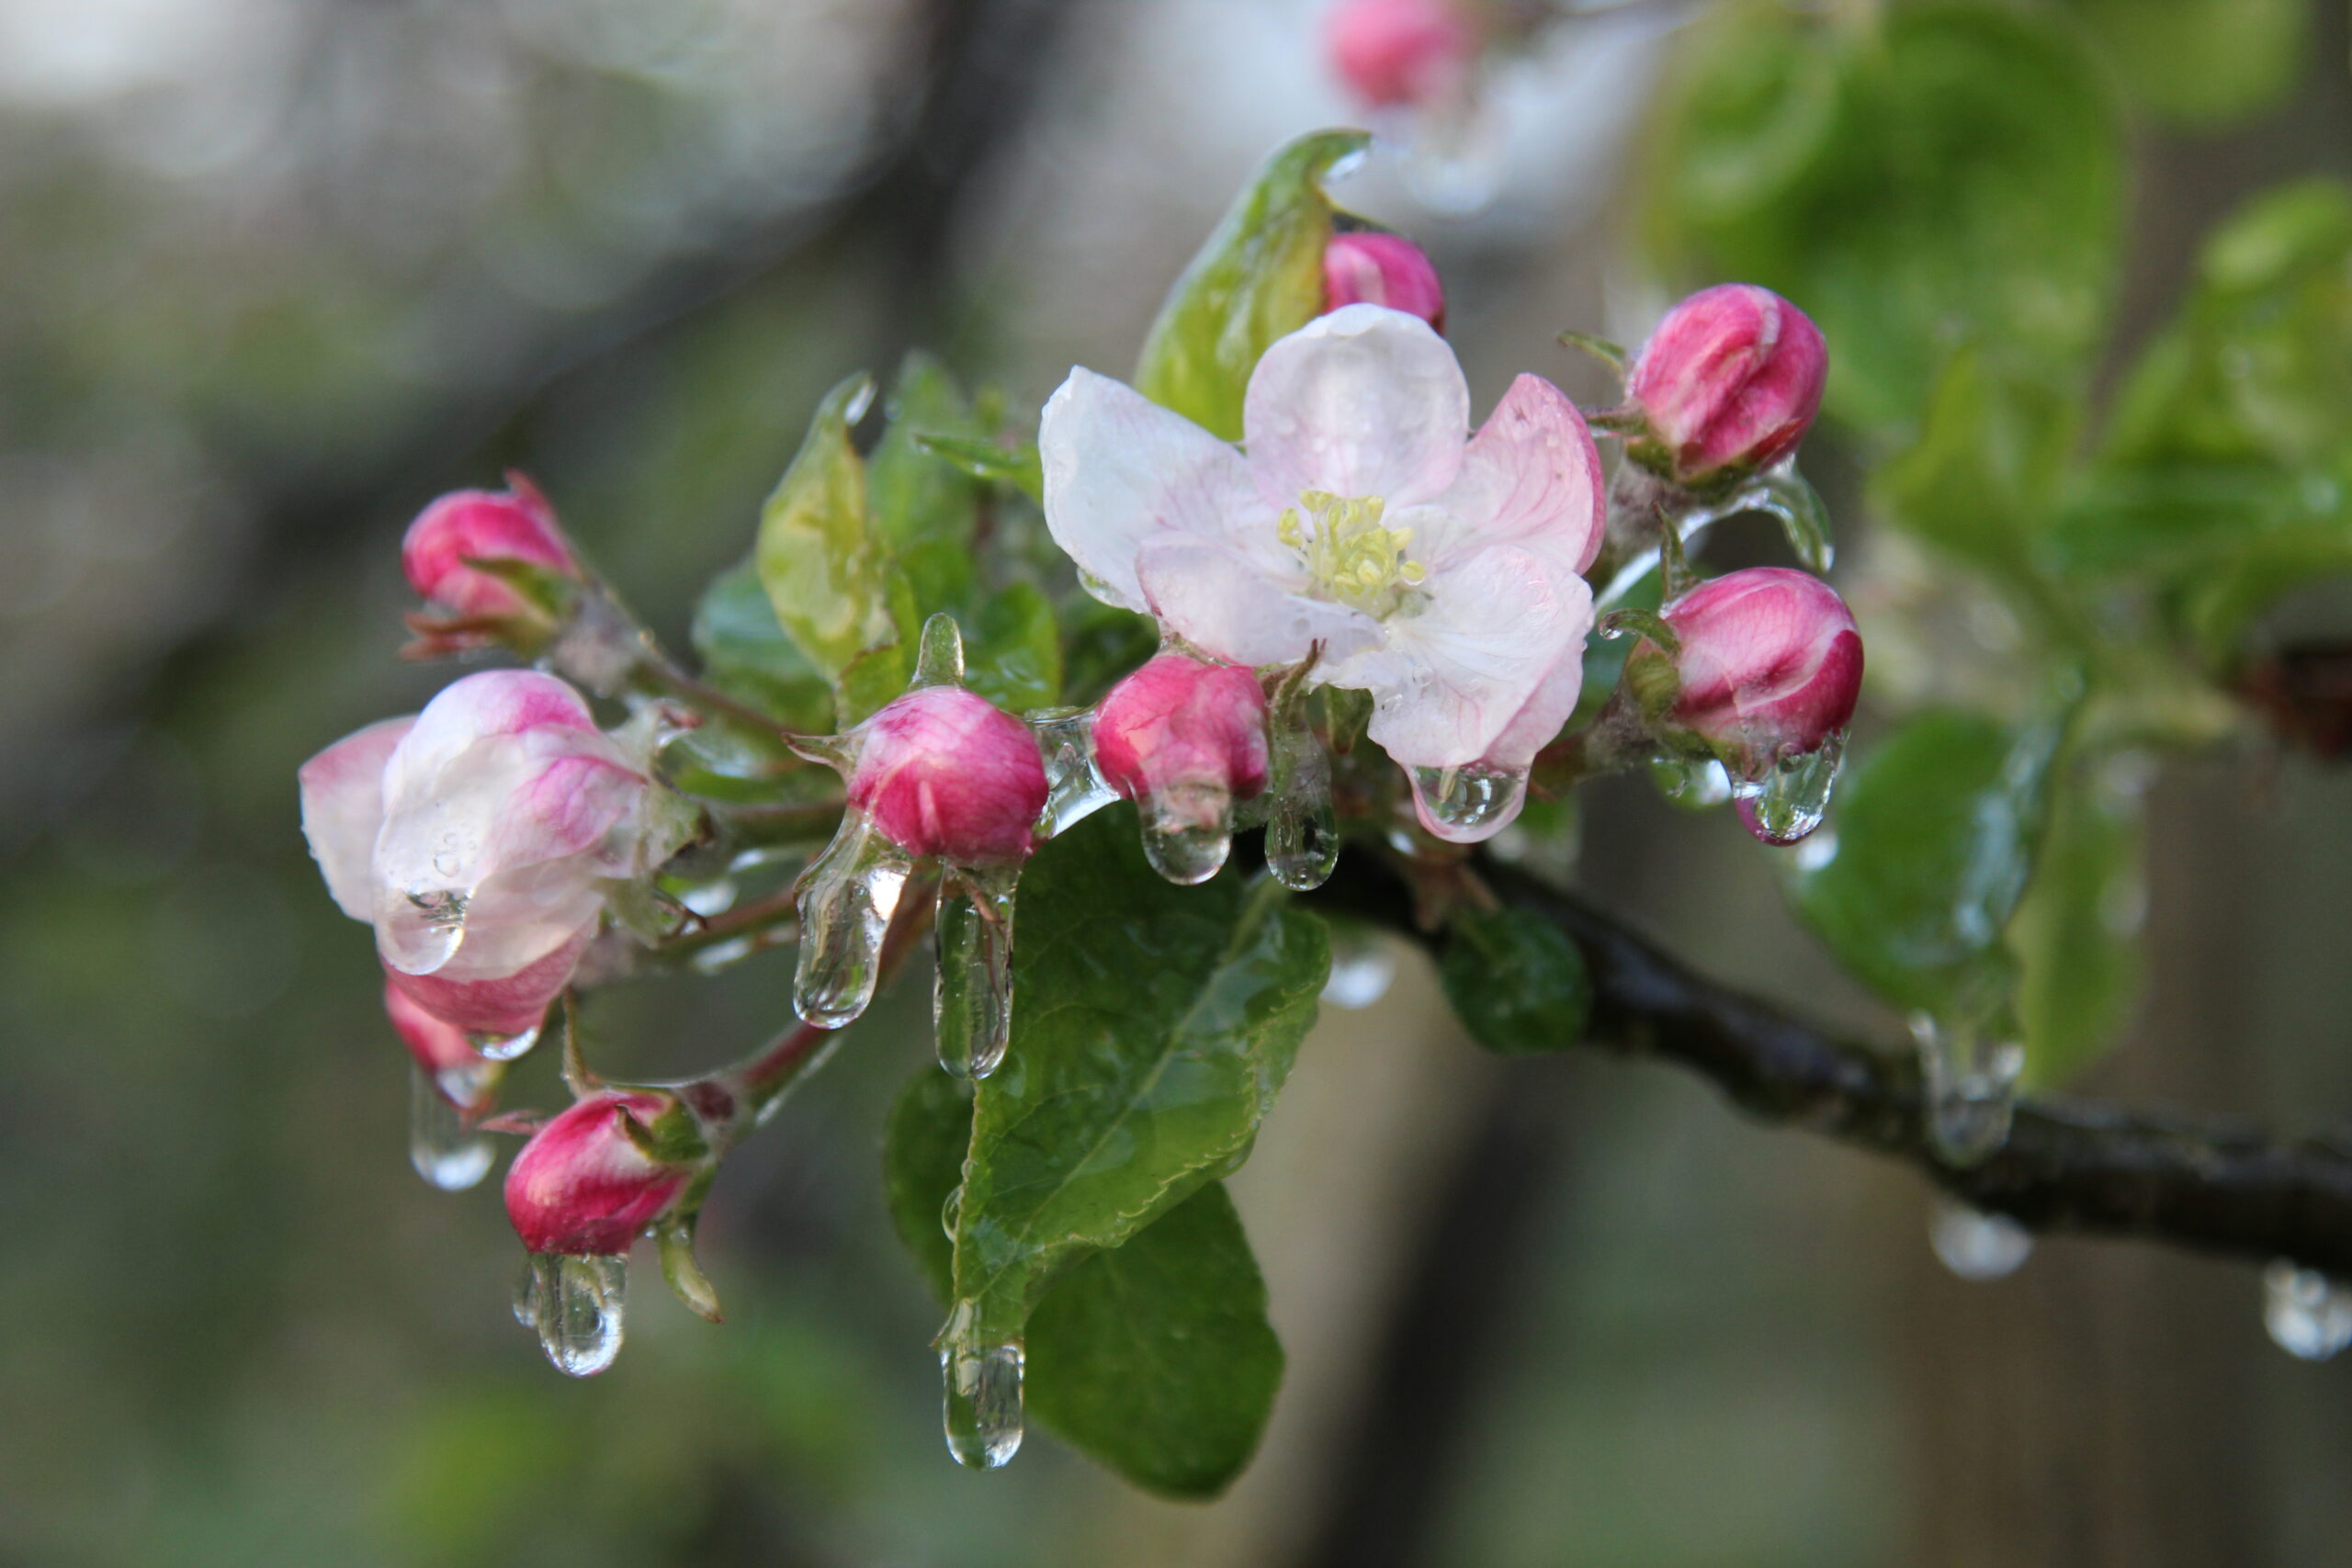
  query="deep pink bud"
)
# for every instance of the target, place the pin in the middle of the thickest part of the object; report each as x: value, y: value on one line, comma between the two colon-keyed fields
x: 1769, y: 668
x: 1729, y: 383
x: 941, y: 771
x: 438, y: 1046
x: 1399, y: 54
x: 582, y: 1186
x: 516, y: 525
x: 1177, y: 725
x: 1365, y: 266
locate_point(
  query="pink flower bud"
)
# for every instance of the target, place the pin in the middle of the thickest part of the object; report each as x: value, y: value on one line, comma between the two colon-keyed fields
x: 438, y: 1046
x: 1769, y: 668
x: 502, y: 1005
x: 1178, y: 728
x: 1729, y: 383
x: 1368, y: 267
x: 583, y: 1186
x: 941, y: 771
x: 516, y: 524
x: 1399, y: 54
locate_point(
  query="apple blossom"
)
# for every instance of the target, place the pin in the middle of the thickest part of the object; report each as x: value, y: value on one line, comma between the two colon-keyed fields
x: 1400, y: 53
x: 516, y: 525
x: 1728, y: 384
x: 942, y: 771
x: 1368, y: 266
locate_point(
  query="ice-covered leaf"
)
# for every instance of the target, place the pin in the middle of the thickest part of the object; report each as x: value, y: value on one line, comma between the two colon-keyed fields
x: 745, y: 653
x: 2076, y: 933
x: 1519, y: 985
x: 1015, y: 658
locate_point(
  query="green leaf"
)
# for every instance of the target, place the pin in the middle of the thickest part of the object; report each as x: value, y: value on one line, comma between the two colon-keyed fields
x: 1983, y: 478
x: 1944, y: 173
x: 1155, y: 1356
x: 1935, y: 836
x: 2075, y: 935
x: 1014, y: 659
x: 745, y: 653
x: 2202, y: 62
x: 1518, y: 985
x: 1100, y: 643
x: 1152, y: 1027
x: 1015, y: 468
x: 915, y: 495
x: 1259, y: 277
x: 835, y: 593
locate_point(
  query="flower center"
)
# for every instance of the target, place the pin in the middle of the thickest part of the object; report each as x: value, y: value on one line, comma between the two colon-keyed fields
x: 1350, y: 556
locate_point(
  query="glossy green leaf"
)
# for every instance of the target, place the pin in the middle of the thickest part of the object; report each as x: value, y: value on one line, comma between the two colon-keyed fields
x: 982, y: 457
x: 2076, y: 933
x: 745, y: 653
x: 1983, y: 478
x: 2202, y: 62
x: 914, y: 494
x: 834, y: 590
x: 1936, y: 835
x: 1155, y: 1357
x: 1518, y: 984
x: 1942, y: 174
x: 1015, y: 658
x: 1259, y: 277
x: 1152, y: 1026
x: 1100, y: 643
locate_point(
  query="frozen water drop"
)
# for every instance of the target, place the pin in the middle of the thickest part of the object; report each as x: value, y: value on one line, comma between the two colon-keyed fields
x: 505, y: 1047
x: 982, y: 1404
x: 1075, y: 789
x: 446, y: 1151
x: 1302, y: 828
x: 1698, y: 784
x: 1789, y: 803
x: 2309, y: 1316
x: 972, y: 999
x: 1969, y: 1079
x: 1464, y: 805
x: 526, y: 1292
x: 1187, y: 831
x: 422, y: 928
x: 846, y: 902
x: 939, y: 656
x: 576, y: 1304
x: 950, y: 1212
x: 1977, y: 1245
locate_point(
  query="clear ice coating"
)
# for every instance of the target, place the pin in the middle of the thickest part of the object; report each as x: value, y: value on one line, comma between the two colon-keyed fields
x: 972, y: 997
x: 1977, y: 1245
x: 446, y: 1151
x: 1075, y: 789
x: 1696, y: 784
x: 1464, y: 805
x: 1187, y: 831
x: 1787, y: 803
x: 939, y: 656
x: 2308, y: 1314
x: 846, y: 902
x: 980, y: 1402
x: 1302, y: 827
x: 576, y: 1304
x: 1970, y: 1080
x: 505, y: 1047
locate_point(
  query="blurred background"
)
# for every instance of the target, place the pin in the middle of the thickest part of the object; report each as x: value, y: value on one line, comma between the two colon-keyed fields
x: 274, y: 273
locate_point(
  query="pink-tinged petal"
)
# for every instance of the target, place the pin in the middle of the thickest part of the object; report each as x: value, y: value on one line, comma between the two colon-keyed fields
x: 1121, y: 471
x: 494, y: 702
x: 343, y: 809
x: 1363, y: 402
x: 438, y: 1046
x: 1223, y: 603
x: 1538, y: 723
x: 569, y: 807
x: 583, y: 1186
x: 1730, y: 380
x: 1367, y: 266
x: 479, y: 525
x: 501, y: 1005
x: 1453, y: 678
x: 1531, y: 477
x: 942, y: 771
x: 1770, y: 664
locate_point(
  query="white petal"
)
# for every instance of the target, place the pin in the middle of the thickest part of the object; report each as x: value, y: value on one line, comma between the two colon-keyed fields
x: 1363, y: 402
x: 343, y: 808
x: 1456, y: 675
x: 1537, y: 724
x: 1224, y: 602
x: 1121, y: 469
x: 1531, y: 477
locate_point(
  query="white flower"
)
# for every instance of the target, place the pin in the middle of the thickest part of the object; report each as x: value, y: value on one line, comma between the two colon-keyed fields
x: 1440, y: 572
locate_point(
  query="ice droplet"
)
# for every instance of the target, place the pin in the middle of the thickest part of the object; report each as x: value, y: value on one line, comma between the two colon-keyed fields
x: 950, y: 1212
x: 505, y: 1047
x: 1361, y: 972
x: 1187, y: 831
x: 576, y: 1304
x: 1789, y: 803
x: 1464, y: 805
x: 939, y: 656
x: 446, y: 1152
x: 1970, y: 1083
x: 1302, y: 828
x: 1977, y: 1245
x: 972, y: 998
x: 427, y: 928
x: 980, y: 1402
x: 1074, y: 788
x: 846, y: 902
x: 2309, y: 1316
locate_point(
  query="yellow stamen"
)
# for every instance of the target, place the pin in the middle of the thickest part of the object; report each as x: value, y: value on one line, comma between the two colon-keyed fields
x: 1350, y: 556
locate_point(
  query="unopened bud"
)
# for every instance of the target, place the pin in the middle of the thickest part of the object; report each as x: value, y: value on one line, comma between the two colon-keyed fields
x: 1728, y: 384
x: 1178, y: 728
x: 591, y: 1180
x: 1769, y: 667
x: 1400, y: 53
x: 941, y: 771
x: 1366, y: 266
x: 465, y: 525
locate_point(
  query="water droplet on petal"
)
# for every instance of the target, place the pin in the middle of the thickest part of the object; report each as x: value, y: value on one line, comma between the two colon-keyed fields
x: 1187, y: 831
x: 846, y: 902
x: 422, y: 929
x: 505, y: 1047
x: 982, y: 1404
x: 1977, y: 1245
x: 972, y: 999
x: 1789, y: 803
x: 1464, y: 805
x: 446, y: 1151
x: 576, y: 1304
x: 2309, y: 1316
x: 1074, y: 788
x: 1302, y: 828
x: 1969, y: 1079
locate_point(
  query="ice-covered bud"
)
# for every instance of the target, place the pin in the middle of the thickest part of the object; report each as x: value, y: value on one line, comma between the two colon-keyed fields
x: 1178, y: 729
x: 1727, y: 384
x: 1768, y: 670
x: 1367, y: 266
x: 591, y: 1180
x: 516, y: 525
x: 941, y: 771
x: 1400, y: 53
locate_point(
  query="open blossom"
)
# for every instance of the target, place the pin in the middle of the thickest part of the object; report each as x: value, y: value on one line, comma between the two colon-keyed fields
x: 1728, y: 383
x: 1769, y: 668
x: 1400, y: 53
x: 476, y: 837
x: 1438, y: 571
x: 583, y: 1186
x: 1366, y: 266
x: 516, y: 525
x: 942, y: 771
